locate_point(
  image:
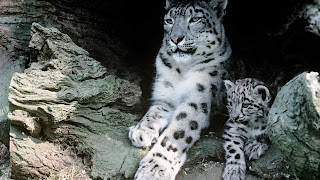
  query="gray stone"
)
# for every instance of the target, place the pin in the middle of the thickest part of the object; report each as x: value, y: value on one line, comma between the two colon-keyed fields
x: 294, y: 124
x: 65, y: 110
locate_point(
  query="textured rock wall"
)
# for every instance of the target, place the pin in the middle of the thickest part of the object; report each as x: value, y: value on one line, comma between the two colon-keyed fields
x: 91, y: 30
x: 294, y: 124
x: 65, y: 110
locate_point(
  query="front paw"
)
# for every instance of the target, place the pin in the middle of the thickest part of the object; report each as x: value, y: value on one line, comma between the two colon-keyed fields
x: 255, y: 150
x: 153, y: 168
x: 234, y: 172
x: 141, y: 136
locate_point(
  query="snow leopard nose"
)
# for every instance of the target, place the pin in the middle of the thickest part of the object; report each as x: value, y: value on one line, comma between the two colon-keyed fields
x: 176, y: 40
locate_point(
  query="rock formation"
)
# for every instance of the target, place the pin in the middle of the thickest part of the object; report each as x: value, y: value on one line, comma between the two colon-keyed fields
x: 294, y: 124
x: 65, y: 110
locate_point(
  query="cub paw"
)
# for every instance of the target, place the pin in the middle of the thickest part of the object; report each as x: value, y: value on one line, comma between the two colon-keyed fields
x: 154, y: 169
x: 142, y: 136
x: 255, y: 150
x: 234, y: 172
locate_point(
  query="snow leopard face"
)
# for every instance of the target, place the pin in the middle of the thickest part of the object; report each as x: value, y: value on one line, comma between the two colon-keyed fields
x: 247, y: 99
x: 194, y: 28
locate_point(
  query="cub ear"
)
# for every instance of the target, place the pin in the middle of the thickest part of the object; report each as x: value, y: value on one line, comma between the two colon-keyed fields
x: 219, y: 6
x: 263, y: 92
x: 168, y: 4
x: 228, y: 84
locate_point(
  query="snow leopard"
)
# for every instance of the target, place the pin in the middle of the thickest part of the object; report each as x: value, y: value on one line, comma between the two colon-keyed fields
x: 245, y: 131
x: 190, y: 68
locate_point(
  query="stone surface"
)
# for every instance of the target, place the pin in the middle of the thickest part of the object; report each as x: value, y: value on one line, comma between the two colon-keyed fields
x: 294, y: 124
x: 65, y: 110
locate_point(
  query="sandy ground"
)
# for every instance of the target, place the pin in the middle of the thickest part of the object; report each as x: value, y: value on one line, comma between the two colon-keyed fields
x: 205, y: 171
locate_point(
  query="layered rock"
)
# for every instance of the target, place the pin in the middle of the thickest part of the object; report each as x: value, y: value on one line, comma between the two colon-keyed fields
x: 294, y: 124
x: 65, y: 110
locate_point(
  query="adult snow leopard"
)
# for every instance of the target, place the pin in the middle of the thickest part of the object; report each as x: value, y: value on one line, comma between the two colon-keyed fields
x: 245, y: 131
x: 190, y: 68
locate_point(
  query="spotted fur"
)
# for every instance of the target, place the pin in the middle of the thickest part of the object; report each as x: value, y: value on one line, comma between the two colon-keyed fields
x: 245, y: 132
x: 191, y: 65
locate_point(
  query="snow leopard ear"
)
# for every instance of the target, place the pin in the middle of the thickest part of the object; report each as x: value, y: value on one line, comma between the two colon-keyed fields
x: 219, y: 6
x: 263, y: 92
x: 228, y: 84
x: 169, y: 3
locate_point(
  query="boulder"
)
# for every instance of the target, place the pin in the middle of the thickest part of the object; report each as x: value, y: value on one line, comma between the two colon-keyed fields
x: 66, y: 111
x: 294, y: 124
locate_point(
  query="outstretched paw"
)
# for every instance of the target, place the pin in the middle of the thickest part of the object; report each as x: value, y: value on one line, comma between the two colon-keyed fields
x: 234, y: 172
x: 141, y: 136
x: 155, y: 169
x: 254, y: 150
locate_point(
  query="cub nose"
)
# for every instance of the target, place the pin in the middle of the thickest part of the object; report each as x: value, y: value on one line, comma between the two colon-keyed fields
x: 176, y: 40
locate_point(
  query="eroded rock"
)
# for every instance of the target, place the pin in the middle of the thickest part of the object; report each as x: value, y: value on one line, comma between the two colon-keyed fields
x: 65, y: 110
x: 294, y: 124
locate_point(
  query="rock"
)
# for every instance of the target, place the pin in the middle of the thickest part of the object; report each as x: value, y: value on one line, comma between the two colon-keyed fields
x: 65, y: 110
x: 294, y: 124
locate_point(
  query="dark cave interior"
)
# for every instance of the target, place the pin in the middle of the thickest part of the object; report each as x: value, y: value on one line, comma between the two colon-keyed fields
x: 250, y: 26
x: 254, y: 29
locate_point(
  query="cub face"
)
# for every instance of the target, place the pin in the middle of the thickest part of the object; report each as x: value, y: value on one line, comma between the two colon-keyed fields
x: 248, y: 99
x: 193, y: 28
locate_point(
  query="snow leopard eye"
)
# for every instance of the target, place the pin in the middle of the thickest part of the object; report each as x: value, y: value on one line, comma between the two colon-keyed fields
x: 245, y: 105
x: 169, y: 21
x: 194, y: 19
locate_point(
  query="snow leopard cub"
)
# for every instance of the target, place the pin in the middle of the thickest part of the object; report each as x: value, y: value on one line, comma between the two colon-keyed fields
x: 245, y: 130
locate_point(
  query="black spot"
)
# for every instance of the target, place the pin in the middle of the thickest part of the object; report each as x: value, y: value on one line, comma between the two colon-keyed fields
x: 178, y: 70
x: 178, y: 134
x: 208, y: 60
x: 237, y: 156
x: 219, y: 39
x: 182, y: 115
x: 215, y: 31
x: 228, y: 156
x: 155, y: 166
x: 209, y: 47
x: 194, y: 106
x: 213, y: 89
x: 164, y: 141
x: 159, y: 154
x: 141, y: 139
x: 204, y: 108
x: 244, y: 122
x: 189, y: 139
x: 213, y: 73
x: 236, y: 142
x: 193, y: 125
x: 184, y: 150
x: 213, y: 43
x: 165, y: 61
x: 242, y: 129
x: 174, y: 149
x: 224, y: 76
x: 229, y: 146
x: 232, y: 151
x: 200, y: 87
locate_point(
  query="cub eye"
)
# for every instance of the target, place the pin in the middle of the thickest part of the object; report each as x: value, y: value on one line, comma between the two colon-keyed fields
x: 194, y: 19
x: 245, y: 105
x: 169, y: 21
